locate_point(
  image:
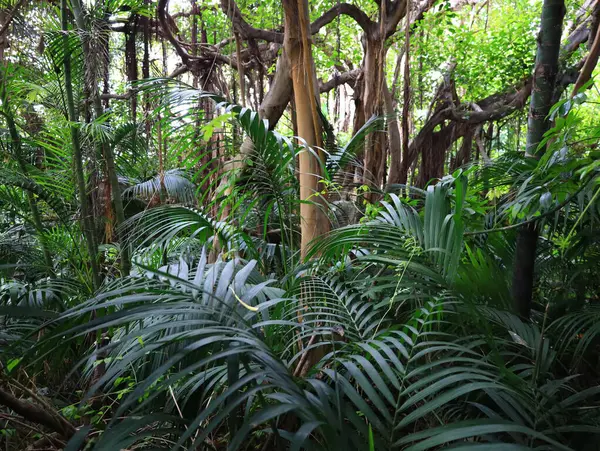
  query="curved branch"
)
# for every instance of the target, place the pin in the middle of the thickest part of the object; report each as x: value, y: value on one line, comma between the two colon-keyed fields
x: 340, y: 79
x: 162, y: 18
x: 247, y: 31
x: 494, y: 107
x: 395, y: 15
x: 588, y: 67
x: 359, y: 16
x: 243, y: 28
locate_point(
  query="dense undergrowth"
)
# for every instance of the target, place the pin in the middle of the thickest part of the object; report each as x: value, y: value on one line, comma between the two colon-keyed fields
x: 393, y: 333
x: 174, y: 304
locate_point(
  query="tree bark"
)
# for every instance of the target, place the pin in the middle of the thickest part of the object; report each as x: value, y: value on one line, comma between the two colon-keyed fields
x: 314, y: 221
x: 240, y: 68
x: 545, y: 72
x: 524, y: 270
x: 394, y: 137
x: 131, y: 66
x: 544, y: 80
x: 373, y: 70
x: 401, y: 175
x: 87, y: 219
x: 32, y: 412
x: 4, y: 23
x: 105, y: 148
x: 589, y: 65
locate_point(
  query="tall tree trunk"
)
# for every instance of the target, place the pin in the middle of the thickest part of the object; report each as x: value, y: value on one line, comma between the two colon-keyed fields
x: 4, y: 35
x: 394, y: 137
x: 105, y: 148
x: 544, y: 79
x: 373, y: 69
x: 87, y: 219
x: 314, y: 222
x: 131, y: 66
x: 146, y: 74
x: 406, y: 101
x: 240, y: 68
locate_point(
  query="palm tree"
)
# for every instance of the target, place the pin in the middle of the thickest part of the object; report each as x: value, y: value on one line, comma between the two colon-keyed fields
x: 409, y: 314
x: 407, y: 317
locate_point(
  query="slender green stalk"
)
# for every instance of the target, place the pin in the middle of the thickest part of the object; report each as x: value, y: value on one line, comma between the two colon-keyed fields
x: 87, y: 220
x: 105, y: 148
x: 35, y: 212
x: 16, y: 142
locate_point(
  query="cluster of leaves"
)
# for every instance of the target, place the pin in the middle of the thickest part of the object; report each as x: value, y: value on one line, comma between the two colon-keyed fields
x: 394, y: 333
x: 488, y: 47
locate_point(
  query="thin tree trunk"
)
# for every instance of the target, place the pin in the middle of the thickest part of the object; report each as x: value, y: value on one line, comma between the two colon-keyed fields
x: 314, y: 222
x: 164, y: 141
x: 35, y: 212
x: 87, y: 220
x: 240, y: 68
x: 146, y: 75
x: 374, y: 147
x: 406, y: 90
x: 402, y: 174
x: 394, y: 137
x: 3, y: 34
x: 131, y: 66
x: 16, y: 142
x: 397, y: 71
x: 105, y: 148
x: 544, y: 79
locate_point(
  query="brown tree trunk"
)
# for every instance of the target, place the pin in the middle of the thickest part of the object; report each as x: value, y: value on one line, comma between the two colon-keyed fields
x: 4, y: 35
x: 406, y: 99
x: 463, y: 156
x: 544, y: 80
x: 240, y: 68
x: 314, y: 221
x: 374, y: 157
x: 131, y: 66
x: 394, y: 138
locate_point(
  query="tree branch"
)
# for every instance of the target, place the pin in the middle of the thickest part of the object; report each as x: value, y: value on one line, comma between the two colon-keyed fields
x: 245, y: 30
x: 588, y: 66
x: 345, y: 77
x: 162, y: 18
x: 36, y: 414
x: 352, y: 11
x: 11, y: 16
x: 395, y: 14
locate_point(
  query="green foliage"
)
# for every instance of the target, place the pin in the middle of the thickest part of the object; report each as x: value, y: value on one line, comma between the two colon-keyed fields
x: 394, y: 333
